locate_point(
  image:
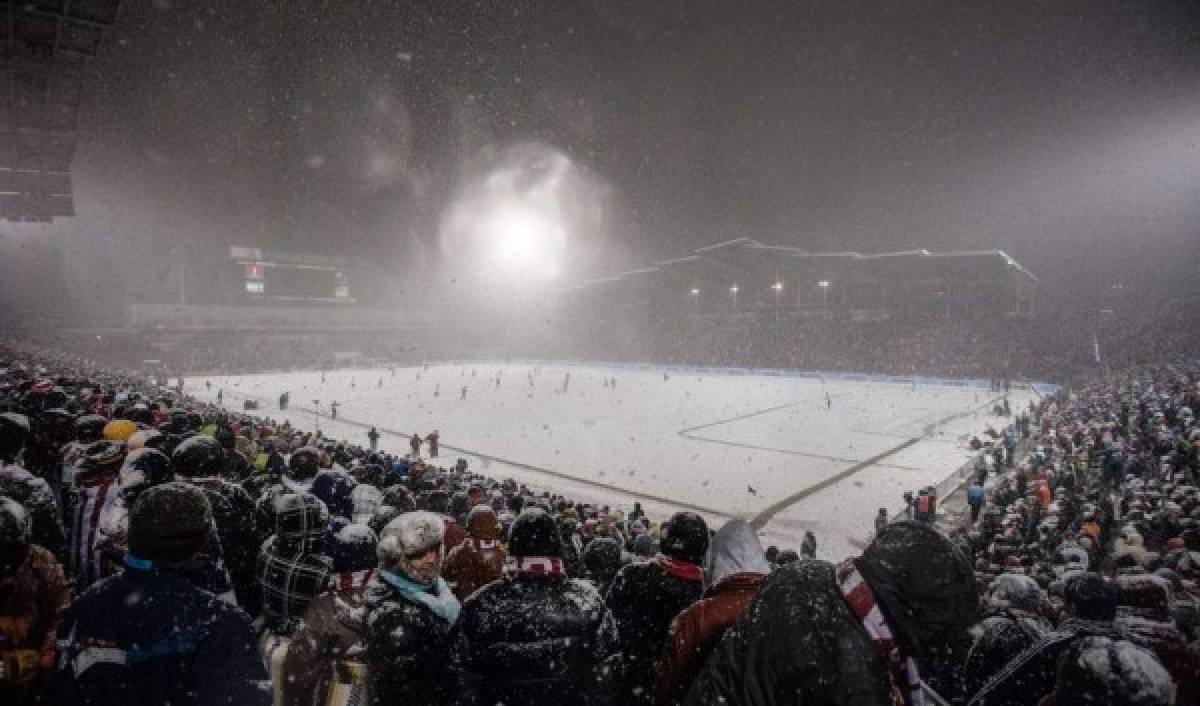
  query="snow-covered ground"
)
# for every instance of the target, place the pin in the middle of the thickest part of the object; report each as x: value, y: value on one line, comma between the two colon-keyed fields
x: 723, y: 444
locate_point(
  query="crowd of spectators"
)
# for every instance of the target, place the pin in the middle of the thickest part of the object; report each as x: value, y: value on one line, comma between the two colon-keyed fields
x: 154, y: 549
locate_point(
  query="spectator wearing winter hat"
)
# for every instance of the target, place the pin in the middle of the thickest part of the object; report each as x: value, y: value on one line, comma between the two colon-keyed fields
x: 1098, y: 671
x: 1015, y: 610
x: 93, y: 489
x: 823, y: 633
x: 150, y: 636
x: 33, y: 595
x: 557, y: 639
x: 200, y: 460
x: 31, y: 492
x: 735, y: 570
x: 409, y: 611
x: 601, y: 562
x: 292, y: 571
x: 1090, y: 606
x: 333, y: 629
x: 646, y: 596
x: 479, y: 559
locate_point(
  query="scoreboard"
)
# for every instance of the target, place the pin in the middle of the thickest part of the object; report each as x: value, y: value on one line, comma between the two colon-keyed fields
x: 292, y: 277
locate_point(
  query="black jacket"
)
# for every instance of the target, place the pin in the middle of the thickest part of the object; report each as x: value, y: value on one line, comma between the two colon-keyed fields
x: 152, y: 637
x: 1031, y: 674
x: 408, y: 649
x: 233, y: 514
x: 527, y: 639
x: 1001, y: 638
x: 799, y: 644
x: 645, y: 598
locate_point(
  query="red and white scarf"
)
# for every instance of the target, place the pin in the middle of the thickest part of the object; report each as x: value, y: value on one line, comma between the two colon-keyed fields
x: 679, y: 568
x: 902, y: 670
x: 347, y: 581
x: 549, y: 566
x: 483, y: 546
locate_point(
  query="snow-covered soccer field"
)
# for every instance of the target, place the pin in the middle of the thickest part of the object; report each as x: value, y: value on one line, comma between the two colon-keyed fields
x: 769, y: 448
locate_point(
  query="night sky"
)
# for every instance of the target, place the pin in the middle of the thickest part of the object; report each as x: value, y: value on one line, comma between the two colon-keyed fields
x: 1062, y: 132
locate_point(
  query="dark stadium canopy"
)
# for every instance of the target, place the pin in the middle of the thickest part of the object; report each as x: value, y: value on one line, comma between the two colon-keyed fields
x: 44, y: 45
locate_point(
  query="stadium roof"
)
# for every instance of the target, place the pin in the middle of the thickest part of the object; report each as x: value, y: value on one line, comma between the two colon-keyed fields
x: 748, y: 260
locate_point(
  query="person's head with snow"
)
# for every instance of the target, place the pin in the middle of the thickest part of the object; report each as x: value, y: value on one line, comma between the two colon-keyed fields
x: 198, y: 457
x: 304, y: 464
x: 15, y: 529
x: 412, y: 545
x: 685, y: 538
x: 1098, y: 671
x: 924, y: 583
x: 14, y: 433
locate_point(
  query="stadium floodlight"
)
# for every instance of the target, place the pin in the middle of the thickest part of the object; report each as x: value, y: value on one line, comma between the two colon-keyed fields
x: 824, y: 285
x: 778, y: 286
x: 733, y: 289
x: 695, y: 292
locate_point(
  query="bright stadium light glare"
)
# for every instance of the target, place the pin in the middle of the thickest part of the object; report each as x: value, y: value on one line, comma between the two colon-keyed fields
x: 733, y: 289
x: 823, y: 284
x: 778, y: 286
x: 523, y: 239
x: 695, y: 291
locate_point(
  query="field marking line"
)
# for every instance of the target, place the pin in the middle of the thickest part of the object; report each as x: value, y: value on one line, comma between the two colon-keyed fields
x: 489, y: 458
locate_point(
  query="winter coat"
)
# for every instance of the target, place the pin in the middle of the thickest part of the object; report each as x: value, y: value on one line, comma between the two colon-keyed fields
x: 797, y: 643
x: 290, y: 577
x: 735, y: 569
x: 644, y: 598
x: 536, y: 639
x: 90, y: 498
x: 1031, y: 674
x: 473, y: 564
x: 333, y: 629
x: 1001, y: 637
x: 152, y: 637
x: 36, y: 496
x: 233, y: 514
x: 408, y: 649
x: 32, y: 600
x: 697, y: 630
x: 1145, y: 617
x: 336, y: 490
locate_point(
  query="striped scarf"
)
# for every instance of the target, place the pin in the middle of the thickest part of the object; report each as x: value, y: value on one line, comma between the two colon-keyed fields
x: 347, y: 581
x: 548, y: 566
x: 902, y: 670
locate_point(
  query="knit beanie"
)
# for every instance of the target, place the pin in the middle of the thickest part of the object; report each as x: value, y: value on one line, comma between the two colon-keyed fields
x: 169, y: 522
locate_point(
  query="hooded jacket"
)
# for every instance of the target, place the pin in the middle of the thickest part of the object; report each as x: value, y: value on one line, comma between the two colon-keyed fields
x: 800, y: 643
x: 735, y: 569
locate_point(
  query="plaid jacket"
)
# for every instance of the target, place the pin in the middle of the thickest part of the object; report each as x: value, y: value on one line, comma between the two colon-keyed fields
x: 290, y: 576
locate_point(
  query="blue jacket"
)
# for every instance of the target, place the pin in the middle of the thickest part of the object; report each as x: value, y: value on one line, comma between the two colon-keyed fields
x: 975, y: 494
x: 150, y: 636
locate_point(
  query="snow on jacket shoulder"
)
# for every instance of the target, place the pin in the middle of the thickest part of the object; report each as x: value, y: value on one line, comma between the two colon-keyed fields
x: 525, y: 640
x: 645, y: 598
x: 408, y: 648
x: 697, y: 630
x: 798, y: 643
x: 151, y: 637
